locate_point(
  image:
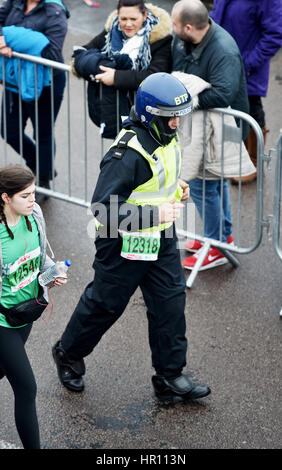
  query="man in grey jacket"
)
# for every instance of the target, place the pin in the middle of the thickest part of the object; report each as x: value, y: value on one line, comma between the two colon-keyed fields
x: 204, y: 49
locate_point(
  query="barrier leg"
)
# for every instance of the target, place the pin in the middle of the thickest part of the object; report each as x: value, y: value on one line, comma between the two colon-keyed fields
x: 230, y: 257
x: 200, y: 260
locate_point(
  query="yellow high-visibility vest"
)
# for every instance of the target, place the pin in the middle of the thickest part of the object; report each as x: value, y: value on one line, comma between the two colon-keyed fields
x: 165, y: 164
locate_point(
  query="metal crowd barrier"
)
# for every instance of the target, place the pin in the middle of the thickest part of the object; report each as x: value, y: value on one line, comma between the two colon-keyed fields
x: 79, y: 148
x: 241, y: 235
x: 73, y: 164
x: 78, y: 145
x: 277, y: 202
x: 277, y: 199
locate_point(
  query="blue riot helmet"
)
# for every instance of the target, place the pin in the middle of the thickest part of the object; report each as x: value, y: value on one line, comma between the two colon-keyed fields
x: 159, y: 98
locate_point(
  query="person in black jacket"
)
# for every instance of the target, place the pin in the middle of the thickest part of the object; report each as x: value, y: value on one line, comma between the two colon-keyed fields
x: 135, y: 43
x: 49, y: 18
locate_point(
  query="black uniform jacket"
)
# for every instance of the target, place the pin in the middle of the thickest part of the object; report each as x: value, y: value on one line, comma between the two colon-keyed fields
x: 117, y: 179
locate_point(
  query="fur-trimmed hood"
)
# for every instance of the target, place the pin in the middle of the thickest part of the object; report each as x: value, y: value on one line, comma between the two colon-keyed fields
x: 160, y: 31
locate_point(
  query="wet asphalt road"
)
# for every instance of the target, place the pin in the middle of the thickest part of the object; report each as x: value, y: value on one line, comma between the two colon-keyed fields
x: 233, y: 328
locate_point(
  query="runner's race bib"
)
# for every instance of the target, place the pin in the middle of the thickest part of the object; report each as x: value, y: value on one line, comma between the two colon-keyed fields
x: 140, y: 246
x: 24, y: 270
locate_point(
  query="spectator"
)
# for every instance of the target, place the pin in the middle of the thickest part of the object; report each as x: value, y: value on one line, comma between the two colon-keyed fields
x: 23, y: 257
x: 209, y: 127
x: 206, y: 50
x: 50, y: 19
x: 135, y: 43
x: 256, y: 26
x: 141, y: 170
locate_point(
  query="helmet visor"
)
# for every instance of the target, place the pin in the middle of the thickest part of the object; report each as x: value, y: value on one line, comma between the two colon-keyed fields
x: 185, y: 130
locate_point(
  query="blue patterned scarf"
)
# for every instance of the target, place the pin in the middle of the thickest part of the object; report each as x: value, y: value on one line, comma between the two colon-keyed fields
x: 115, y: 39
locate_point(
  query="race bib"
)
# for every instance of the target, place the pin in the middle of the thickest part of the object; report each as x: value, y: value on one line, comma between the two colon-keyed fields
x: 24, y: 270
x: 140, y: 246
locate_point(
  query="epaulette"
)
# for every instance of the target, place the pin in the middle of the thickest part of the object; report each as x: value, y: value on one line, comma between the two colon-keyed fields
x: 121, y: 145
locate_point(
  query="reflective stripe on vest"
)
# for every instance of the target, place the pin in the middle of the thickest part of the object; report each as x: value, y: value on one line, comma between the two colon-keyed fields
x: 165, y: 164
x: 162, y: 192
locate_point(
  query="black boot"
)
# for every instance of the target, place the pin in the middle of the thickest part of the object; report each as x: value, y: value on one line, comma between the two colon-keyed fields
x: 69, y: 371
x: 178, y: 389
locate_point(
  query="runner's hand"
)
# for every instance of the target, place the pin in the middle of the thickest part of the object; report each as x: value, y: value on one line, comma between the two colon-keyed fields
x: 59, y: 281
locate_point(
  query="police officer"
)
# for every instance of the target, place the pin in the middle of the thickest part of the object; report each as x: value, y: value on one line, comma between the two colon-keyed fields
x: 135, y: 203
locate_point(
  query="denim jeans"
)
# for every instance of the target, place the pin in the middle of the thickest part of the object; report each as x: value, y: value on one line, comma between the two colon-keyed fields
x: 45, y: 141
x: 212, y: 207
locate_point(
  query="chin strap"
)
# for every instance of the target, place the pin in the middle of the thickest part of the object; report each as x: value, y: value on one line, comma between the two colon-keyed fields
x: 162, y: 131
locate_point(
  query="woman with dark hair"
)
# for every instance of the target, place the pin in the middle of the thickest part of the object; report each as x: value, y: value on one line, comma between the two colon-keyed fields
x: 135, y: 43
x: 22, y: 258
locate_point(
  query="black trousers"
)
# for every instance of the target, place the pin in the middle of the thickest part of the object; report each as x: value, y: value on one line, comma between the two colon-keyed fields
x: 256, y: 109
x: 162, y: 283
x: 16, y: 366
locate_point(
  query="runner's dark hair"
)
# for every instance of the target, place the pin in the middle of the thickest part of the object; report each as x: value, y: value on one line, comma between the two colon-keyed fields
x: 13, y: 179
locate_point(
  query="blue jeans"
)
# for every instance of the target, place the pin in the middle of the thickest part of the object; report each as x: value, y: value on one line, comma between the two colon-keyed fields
x: 212, y: 207
x: 45, y: 141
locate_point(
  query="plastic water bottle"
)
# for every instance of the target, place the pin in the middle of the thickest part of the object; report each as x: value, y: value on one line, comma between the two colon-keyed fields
x: 57, y: 270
